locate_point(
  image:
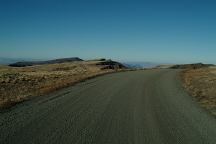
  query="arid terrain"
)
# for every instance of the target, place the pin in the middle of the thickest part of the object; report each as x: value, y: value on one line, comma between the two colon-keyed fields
x: 18, y: 84
x: 201, y: 84
x: 144, y: 106
x: 21, y: 83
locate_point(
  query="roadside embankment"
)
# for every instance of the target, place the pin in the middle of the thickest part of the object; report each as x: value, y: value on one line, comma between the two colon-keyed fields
x: 201, y: 84
x: 21, y: 83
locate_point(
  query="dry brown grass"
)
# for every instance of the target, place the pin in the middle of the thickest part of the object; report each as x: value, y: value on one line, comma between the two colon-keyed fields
x: 19, y: 84
x: 201, y: 84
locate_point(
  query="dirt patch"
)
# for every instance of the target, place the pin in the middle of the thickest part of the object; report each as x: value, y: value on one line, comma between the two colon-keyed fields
x: 201, y: 84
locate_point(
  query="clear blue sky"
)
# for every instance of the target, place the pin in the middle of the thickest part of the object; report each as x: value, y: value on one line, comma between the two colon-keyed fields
x: 174, y: 31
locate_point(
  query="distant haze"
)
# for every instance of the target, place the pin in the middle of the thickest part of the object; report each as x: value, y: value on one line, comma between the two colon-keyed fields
x: 140, y: 64
x: 6, y: 61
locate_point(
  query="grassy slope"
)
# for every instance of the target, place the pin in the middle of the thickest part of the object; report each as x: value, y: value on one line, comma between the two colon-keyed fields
x: 201, y: 84
x: 18, y: 84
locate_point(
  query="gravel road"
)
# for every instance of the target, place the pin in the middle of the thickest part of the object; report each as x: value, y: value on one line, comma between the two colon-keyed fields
x: 137, y: 107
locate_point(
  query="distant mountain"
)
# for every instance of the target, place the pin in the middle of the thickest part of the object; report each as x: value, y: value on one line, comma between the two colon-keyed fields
x: 140, y: 64
x: 191, y: 66
x: 6, y: 61
x: 31, y: 63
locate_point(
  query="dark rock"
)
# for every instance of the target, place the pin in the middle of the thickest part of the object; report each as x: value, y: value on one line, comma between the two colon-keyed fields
x: 109, y: 64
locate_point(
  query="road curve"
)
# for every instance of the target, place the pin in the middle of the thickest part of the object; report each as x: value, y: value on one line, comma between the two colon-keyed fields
x: 139, y: 107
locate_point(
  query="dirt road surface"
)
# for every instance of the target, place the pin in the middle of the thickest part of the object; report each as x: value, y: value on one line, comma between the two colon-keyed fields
x: 137, y: 107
